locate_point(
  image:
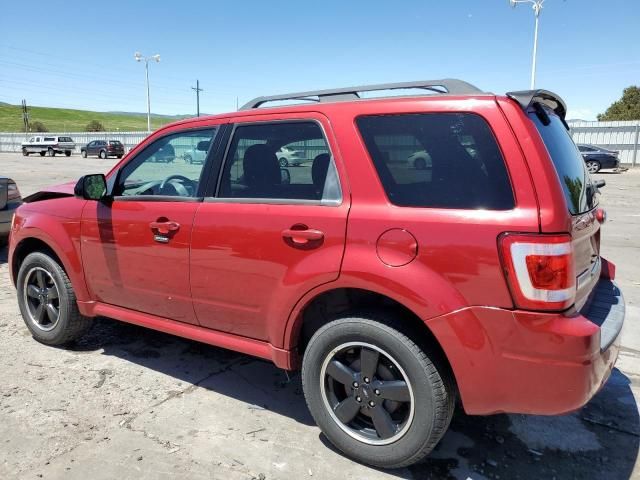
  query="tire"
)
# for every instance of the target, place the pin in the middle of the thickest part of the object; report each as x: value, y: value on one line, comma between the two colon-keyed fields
x: 42, y: 154
x: 102, y: 154
x: 188, y: 159
x: 84, y: 154
x: 119, y: 156
x: 51, y: 152
x: 593, y: 166
x: 67, y: 153
x: 421, y: 422
x: 283, y: 162
x: 420, y: 164
x: 69, y: 324
x: 25, y: 153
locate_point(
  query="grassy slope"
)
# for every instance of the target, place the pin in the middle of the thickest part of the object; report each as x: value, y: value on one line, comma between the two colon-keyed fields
x: 61, y: 119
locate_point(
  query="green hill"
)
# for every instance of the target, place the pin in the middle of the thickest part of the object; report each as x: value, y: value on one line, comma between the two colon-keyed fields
x: 66, y: 120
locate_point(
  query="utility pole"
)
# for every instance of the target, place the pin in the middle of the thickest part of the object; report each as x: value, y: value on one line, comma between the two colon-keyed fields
x: 25, y: 116
x: 537, y: 8
x: 198, y: 90
x: 139, y: 58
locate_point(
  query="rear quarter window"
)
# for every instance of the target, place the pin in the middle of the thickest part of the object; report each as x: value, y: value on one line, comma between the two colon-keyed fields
x: 439, y: 160
x: 567, y: 160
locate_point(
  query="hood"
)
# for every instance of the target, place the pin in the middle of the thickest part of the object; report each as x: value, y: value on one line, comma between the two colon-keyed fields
x: 54, y: 191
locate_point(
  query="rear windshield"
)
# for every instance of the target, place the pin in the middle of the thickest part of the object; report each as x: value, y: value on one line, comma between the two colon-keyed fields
x: 114, y: 142
x: 65, y: 139
x: 440, y: 160
x: 568, y: 161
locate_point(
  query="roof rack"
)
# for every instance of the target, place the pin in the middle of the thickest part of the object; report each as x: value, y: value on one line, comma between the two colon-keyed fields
x: 447, y: 86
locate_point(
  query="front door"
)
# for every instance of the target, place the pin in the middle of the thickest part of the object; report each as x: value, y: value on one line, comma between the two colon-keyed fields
x: 270, y: 234
x: 135, y: 249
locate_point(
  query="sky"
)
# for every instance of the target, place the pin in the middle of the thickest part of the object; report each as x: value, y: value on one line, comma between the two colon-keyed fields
x: 79, y: 54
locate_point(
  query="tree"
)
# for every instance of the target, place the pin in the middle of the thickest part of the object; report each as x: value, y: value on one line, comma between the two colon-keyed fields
x: 627, y: 108
x: 94, y: 126
x: 38, y: 126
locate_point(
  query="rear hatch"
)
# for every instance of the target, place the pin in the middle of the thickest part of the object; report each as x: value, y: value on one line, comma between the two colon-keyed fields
x: 116, y: 146
x: 582, y: 199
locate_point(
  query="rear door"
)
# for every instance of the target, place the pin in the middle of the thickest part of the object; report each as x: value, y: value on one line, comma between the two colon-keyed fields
x: 266, y: 235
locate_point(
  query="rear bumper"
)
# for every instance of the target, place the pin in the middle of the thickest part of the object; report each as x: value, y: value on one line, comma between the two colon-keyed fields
x: 535, y: 363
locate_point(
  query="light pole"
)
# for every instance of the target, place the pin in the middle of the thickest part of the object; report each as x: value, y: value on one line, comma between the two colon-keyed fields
x: 139, y: 58
x: 537, y: 8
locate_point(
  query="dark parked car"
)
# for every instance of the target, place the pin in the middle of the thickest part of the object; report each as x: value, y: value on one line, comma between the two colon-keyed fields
x: 598, y: 158
x: 103, y: 149
x: 10, y: 199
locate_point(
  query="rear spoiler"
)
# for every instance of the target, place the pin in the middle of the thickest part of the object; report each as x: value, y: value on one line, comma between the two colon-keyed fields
x: 529, y: 98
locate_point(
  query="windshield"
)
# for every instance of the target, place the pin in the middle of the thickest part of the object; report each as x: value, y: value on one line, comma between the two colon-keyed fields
x: 575, y: 180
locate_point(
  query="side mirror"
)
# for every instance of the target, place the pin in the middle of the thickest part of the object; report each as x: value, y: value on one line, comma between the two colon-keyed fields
x: 91, y: 187
x: 599, y: 183
x: 4, y: 193
x: 285, y: 176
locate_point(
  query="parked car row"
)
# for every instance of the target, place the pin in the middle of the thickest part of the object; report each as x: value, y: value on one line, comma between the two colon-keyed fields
x: 52, y: 145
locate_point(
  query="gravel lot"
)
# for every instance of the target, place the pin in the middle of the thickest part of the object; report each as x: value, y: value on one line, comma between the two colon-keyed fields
x: 126, y: 402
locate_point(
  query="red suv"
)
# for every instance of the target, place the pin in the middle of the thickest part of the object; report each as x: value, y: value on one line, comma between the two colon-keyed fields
x: 395, y: 289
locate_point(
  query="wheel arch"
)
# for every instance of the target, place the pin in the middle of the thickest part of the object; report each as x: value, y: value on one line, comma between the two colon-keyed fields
x: 66, y: 255
x: 332, y: 303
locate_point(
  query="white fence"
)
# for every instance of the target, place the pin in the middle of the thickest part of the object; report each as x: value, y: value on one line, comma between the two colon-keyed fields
x: 621, y: 136
x: 11, y: 142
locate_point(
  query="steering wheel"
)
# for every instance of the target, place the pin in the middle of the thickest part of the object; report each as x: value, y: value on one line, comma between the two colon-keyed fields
x: 178, y: 187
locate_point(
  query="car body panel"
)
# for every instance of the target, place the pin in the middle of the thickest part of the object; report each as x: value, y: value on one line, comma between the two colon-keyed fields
x: 228, y: 278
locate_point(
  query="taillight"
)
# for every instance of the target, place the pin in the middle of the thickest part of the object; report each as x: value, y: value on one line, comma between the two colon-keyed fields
x: 540, y: 270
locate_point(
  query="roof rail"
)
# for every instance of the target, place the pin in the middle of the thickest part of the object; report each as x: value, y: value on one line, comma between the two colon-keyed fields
x: 445, y: 86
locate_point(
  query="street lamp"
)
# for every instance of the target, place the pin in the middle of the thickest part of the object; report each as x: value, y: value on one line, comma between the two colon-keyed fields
x: 537, y: 8
x: 139, y: 58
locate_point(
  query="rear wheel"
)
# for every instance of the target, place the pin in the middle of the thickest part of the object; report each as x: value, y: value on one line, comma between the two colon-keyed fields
x: 420, y: 164
x: 374, y: 393
x: 593, y: 166
x: 119, y: 156
x: 42, y: 154
x: 67, y: 153
x: 103, y: 154
x: 188, y: 159
x: 84, y: 154
x: 51, y: 152
x: 47, y: 301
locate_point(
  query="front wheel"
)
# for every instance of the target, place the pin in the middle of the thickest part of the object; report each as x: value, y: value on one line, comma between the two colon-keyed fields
x: 593, y: 166
x: 47, y: 301
x: 84, y: 154
x: 375, y: 394
x: 67, y: 153
x: 283, y: 162
x: 51, y: 152
x: 25, y: 152
x: 42, y: 154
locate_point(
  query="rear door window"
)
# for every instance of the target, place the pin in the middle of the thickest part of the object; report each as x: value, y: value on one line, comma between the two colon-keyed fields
x: 569, y: 164
x: 439, y: 160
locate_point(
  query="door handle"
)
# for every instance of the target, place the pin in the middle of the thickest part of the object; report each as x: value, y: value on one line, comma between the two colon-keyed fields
x: 164, y: 228
x: 301, y: 236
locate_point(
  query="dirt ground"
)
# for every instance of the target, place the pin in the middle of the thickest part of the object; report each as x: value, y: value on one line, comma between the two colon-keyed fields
x: 126, y: 402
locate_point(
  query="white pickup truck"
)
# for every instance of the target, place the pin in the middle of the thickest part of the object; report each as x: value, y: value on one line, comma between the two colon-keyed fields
x: 48, y: 145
